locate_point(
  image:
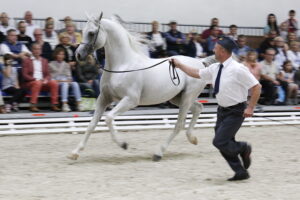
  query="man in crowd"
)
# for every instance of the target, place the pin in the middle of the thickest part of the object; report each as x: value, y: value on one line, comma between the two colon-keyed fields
x: 22, y: 37
x: 175, y: 40
x: 206, y: 33
x: 242, y: 49
x: 4, y: 27
x: 30, y: 26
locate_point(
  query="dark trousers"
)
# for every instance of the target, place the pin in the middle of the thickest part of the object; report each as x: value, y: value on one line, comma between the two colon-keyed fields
x: 17, y: 94
x: 270, y: 91
x: 229, y: 120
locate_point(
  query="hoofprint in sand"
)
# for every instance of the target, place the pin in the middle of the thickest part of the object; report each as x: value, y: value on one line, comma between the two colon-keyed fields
x: 35, y: 167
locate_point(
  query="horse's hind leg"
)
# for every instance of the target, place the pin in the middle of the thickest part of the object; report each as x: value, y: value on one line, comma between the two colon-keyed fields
x: 184, y: 106
x: 196, y: 109
x: 101, y: 105
x: 124, y: 105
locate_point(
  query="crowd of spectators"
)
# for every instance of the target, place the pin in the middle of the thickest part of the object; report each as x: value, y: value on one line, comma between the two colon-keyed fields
x: 36, y: 59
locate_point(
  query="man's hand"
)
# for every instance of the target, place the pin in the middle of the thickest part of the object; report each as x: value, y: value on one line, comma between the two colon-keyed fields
x: 175, y: 62
x: 248, y: 112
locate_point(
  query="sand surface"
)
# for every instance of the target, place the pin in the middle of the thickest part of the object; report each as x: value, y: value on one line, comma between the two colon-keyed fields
x: 35, y: 167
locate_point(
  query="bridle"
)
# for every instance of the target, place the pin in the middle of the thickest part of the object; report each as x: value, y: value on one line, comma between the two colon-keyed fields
x: 91, y: 47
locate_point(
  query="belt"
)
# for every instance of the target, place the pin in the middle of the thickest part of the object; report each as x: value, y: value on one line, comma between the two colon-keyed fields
x: 234, y: 106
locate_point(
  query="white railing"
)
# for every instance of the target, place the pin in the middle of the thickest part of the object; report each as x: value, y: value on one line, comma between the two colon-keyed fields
x: 138, y: 122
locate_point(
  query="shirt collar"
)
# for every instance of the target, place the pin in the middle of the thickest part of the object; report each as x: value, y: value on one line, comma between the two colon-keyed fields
x: 227, y: 62
x: 33, y: 58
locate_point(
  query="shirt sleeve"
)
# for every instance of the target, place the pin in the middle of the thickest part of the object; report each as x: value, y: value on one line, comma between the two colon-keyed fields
x: 206, y: 74
x: 5, y: 49
x: 246, y: 78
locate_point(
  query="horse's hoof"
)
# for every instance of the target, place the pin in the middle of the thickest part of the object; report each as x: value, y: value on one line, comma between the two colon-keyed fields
x: 73, y: 156
x: 156, y: 158
x: 194, y: 141
x: 125, y: 146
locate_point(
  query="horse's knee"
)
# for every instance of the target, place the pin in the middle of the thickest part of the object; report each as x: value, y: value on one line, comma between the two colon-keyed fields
x: 108, y: 119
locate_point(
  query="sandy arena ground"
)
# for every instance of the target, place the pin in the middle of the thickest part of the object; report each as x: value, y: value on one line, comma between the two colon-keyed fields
x: 35, y: 167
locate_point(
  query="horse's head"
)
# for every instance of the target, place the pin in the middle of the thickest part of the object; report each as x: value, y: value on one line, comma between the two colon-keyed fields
x: 93, y: 38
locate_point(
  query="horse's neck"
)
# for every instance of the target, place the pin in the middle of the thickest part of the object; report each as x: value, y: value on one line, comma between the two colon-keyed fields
x: 118, y: 51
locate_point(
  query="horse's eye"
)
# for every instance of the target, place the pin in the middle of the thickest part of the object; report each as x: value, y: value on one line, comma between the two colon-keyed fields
x: 91, y: 34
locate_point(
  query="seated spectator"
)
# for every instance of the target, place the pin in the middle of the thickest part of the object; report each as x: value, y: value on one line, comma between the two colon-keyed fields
x: 212, y: 40
x: 46, y: 48
x: 30, y: 26
x: 287, y: 75
x: 10, y: 85
x: 207, y: 32
x: 271, y: 25
x: 269, y: 82
x: 4, y: 26
x: 69, y: 50
x: 242, y: 49
x: 283, y: 29
x: 75, y: 37
x: 281, y: 51
x: 297, y: 77
x: 268, y: 43
x: 292, y: 22
x: 2, y: 108
x: 61, y: 72
x: 233, y: 32
x: 294, y: 54
x: 17, y: 50
x: 50, y: 36
x: 252, y: 64
x: 22, y: 37
x: 35, y: 71
x: 88, y: 77
x: 50, y: 20
x: 194, y: 48
x: 291, y: 37
x: 157, y: 42
x: 175, y: 40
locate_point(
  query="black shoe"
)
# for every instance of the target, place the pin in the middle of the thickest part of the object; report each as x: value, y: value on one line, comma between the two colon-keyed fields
x: 239, y: 176
x: 246, y: 156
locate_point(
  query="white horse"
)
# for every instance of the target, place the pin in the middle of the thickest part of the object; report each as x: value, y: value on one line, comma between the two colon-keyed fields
x: 147, y: 87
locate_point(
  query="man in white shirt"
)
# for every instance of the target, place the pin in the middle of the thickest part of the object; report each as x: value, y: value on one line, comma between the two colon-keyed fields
x: 232, y: 81
x: 30, y: 26
x: 4, y: 27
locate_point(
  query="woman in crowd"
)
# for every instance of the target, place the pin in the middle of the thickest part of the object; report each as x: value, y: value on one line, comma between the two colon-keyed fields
x: 287, y: 74
x: 252, y: 64
x: 61, y: 71
x: 10, y: 85
x: 75, y: 37
x: 271, y: 25
x: 88, y: 77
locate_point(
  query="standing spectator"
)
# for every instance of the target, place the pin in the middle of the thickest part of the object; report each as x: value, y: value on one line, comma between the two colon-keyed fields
x: 175, y: 40
x: 271, y: 25
x: 46, y: 48
x: 17, y: 50
x: 269, y: 82
x: 283, y: 29
x: 212, y: 40
x: 207, y: 32
x: 292, y: 22
x: 50, y: 36
x: 69, y: 50
x: 294, y: 54
x: 242, y: 49
x: 194, y: 48
x: 10, y: 84
x: 30, y: 26
x: 61, y: 72
x: 35, y: 71
x: 88, y: 77
x: 252, y: 64
x: 22, y: 37
x: 4, y: 27
x: 157, y: 41
x: 233, y: 32
x: 287, y: 75
x: 281, y: 51
x: 75, y: 37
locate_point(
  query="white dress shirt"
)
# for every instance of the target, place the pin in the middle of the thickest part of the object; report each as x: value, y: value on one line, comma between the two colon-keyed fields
x: 235, y: 81
x: 37, y: 68
x: 294, y: 57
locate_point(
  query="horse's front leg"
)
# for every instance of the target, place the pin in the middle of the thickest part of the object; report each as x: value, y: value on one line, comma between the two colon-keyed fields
x: 124, y: 105
x: 101, y: 105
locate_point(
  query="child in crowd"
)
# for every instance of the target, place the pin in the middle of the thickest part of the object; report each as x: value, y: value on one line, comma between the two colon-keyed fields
x: 61, y: 71
x: 10, y: 84
x: 288, y: 74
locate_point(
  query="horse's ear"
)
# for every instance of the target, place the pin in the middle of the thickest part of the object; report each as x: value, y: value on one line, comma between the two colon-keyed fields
x: 87, y: 16
x: 100, y: 17
x: 118, y: 19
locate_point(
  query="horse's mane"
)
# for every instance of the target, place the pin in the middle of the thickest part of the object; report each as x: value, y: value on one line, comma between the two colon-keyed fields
x: 136, y: 40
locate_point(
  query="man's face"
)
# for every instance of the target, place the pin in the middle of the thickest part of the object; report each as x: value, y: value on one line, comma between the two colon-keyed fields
x: 36, y: 50
x: 233, y: 30
x: 38, y: 35
x: 292, y: 15
x: 22, y: 28
x: 279, y: 42
x: 4, y: 19
x: 241, y: 42
x: 49, y: 29
x: 155, y: 27
x: 215, y: 22
x: 12, y: 37
x: 28, y: 17
x: 173, y: 27
x: 269, y: 55
x: 218, y: 49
